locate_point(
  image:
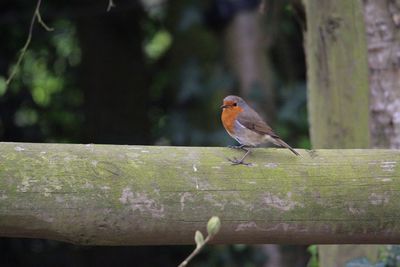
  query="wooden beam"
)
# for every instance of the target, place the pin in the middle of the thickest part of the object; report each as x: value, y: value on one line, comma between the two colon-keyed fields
x: 141, y: 195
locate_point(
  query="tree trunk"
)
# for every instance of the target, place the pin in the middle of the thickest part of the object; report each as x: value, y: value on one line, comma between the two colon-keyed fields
x: 382, y: 20
x: 246, y: 49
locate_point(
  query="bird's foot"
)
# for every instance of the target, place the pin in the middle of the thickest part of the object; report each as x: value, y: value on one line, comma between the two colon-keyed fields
x: 237, y: 147
x: 235, y: 161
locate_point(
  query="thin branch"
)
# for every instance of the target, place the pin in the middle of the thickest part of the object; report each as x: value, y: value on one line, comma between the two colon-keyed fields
x: 110, y: 5
x: 36, y: 15
x: 41, y: 22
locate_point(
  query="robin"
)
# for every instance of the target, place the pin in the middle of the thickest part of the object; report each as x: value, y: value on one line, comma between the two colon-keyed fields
x: 247, y: 127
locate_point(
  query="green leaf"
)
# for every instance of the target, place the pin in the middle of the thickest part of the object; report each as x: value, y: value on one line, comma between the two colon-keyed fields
x: 158, y: 45
x: 313, y: 250
x: 199, y: 238
x: 213, y: 225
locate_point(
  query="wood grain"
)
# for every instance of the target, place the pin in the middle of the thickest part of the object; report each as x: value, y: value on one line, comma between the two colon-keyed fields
x: 140, y: 195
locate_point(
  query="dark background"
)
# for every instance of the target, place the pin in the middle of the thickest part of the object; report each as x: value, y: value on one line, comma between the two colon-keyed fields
x: 147, y: 72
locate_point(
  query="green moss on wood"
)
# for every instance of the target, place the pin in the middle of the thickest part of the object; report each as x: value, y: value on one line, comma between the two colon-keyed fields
x: 119, y: 195
x: 337, y: 66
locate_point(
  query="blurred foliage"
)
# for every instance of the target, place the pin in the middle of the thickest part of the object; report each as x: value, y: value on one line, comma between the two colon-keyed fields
x: 388, y: 257
x: 46, y: 100
x: 186, y: 80
x: 363, y: 262
x: 186, y: 62
x: 158, y: 44
x: 230, y: 256
x: 3, y: 86
x: 391, y: 256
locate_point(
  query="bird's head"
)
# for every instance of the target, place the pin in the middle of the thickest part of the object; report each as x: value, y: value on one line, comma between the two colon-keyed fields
x: 232, y: 102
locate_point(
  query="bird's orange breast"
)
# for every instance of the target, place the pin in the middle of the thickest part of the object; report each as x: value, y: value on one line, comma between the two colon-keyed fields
x: 229, y: 116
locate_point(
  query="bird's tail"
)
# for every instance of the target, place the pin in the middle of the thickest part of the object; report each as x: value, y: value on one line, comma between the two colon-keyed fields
x: 282, y: 143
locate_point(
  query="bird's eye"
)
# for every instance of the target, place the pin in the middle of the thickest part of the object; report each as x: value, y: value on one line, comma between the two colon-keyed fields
x: 234, y: 104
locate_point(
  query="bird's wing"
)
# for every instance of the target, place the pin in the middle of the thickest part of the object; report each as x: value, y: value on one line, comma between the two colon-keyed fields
x: 252, y: 121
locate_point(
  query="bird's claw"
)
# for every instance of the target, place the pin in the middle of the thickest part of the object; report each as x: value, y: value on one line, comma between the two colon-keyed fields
x: 235, y: 161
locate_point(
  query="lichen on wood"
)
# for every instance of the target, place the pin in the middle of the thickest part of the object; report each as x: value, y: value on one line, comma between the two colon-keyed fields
x: 337, y: 68
x: 140, y: 195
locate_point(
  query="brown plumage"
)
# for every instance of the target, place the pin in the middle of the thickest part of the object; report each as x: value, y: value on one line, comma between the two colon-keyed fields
x: 246, y: 126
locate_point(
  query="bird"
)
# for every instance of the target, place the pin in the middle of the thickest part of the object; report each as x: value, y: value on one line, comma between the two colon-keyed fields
x: 247, y: 127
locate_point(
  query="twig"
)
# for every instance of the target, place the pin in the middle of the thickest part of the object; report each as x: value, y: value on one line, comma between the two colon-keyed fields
x: 36, y: 15
x: 41, y: 22
x: 195, y: 252
x: 110, y: 5
x: 213, y: 226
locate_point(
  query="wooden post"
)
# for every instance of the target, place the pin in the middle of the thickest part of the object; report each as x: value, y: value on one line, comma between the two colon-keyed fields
x: 337, y: 67
x: 337, y: 60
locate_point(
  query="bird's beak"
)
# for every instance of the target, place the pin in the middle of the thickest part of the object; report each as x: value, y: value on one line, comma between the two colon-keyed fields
x: 224, y: 106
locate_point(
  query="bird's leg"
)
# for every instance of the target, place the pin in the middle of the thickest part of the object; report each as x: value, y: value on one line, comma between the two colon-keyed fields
x: 235, y: 161
x: 238, y: 147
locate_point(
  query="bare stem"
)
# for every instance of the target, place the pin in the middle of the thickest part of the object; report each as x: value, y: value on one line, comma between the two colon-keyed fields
x: 36, y: 15
x: 110, y: 5
x: 195, y: 252
x: 40, y: 20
